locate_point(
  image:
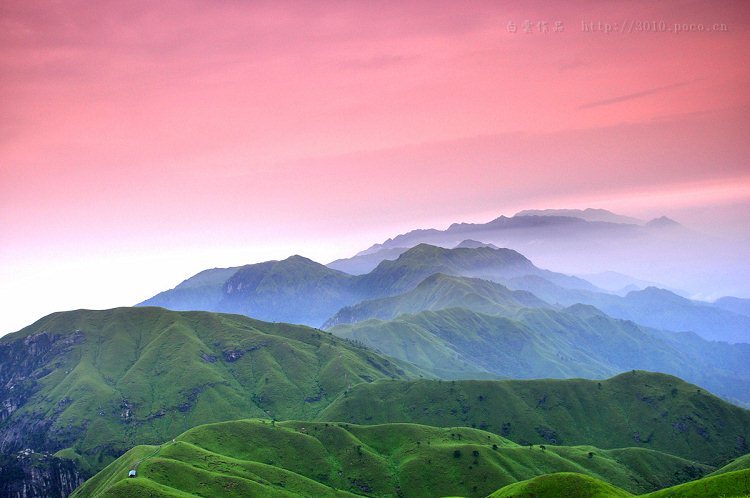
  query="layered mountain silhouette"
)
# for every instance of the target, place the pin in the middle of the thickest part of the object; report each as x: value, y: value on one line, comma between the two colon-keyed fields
x: 429, y: 307
x: 734, y: 304
x: 591, y: 241
x: 588, y: 214
x: 653, y: 307
x: 299, y: 290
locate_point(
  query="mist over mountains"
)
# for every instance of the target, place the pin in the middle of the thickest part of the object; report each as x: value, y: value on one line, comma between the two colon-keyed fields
x: 479, y: 310
x: 300, y: 290
x: 426, y: 328
x: 593, y: 241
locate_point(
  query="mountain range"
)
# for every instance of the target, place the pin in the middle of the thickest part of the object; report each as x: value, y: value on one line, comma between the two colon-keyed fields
x: 446, y: 362
x: 299, y: 290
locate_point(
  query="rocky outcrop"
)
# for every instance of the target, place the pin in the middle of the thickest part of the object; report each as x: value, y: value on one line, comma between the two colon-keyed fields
x: 27, y: 474
x: 22, y: 363
x: 27, y: 467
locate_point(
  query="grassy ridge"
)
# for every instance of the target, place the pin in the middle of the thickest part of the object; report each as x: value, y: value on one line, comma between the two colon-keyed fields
x: 641, y: 409
x: 99, y: 382
x: 740, y: 463
x: 732, y: 484
x: 561, y: 484
x: 579, y: 341
x: 440, y: 291
x: 257, y: 458
x: 729, y: 484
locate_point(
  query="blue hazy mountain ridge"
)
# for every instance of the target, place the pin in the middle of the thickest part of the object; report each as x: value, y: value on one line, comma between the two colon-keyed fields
x: 545, y: 226
x: 588, y: 214
x: 591, y: 241
x: 299, y: 290
x: 734, y: 304
x: 367, y: 261
x: 652, y: 307
x: 618, y: 283
x: 508, y: 229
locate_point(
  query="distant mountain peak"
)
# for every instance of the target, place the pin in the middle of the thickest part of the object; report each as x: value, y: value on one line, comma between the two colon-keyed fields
x: 296, y: 258
x: 423, y: 249
x: 588, y: 214
x: 474, y: 244
x: 585, y: 311
x: 663, y: 221
x: 652, y: 293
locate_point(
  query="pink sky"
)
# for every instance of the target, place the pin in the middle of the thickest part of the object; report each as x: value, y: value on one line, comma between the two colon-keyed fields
x: 176, y: 136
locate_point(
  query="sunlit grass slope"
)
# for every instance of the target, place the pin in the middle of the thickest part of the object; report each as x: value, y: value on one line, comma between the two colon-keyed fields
x: 728, y: 485
x: 91, y: 384
x: 639, y: 409
x: 258, y: 458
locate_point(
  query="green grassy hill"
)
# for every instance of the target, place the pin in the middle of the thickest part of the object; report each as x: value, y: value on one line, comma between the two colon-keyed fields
x: 91, y: 384
x: 739, y: 463
x: 257, y: 458
x: 579, y: 341
x: 561, y: 484
x: 731, y: 485
x: 440, y: 291
x: 641, y: 409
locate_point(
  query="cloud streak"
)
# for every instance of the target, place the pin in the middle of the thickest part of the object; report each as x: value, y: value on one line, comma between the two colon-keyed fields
x: 636, y: 95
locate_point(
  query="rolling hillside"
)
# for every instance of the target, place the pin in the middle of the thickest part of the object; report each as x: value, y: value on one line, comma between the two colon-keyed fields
x: 647, y: 410
x: 579, y: 341
x: 440, y: 291
x: 561, y: 484
x: 256, y: 458
x: 734, y: 484
x: 91, y: 384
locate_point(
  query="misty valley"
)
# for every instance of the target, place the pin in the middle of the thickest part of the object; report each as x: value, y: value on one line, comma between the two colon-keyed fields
x: 425, y: 366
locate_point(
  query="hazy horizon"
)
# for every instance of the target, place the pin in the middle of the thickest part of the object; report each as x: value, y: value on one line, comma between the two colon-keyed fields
x: 142, y: 143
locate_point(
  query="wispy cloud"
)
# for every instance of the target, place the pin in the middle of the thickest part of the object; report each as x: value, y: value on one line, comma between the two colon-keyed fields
x: 636, y: 95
